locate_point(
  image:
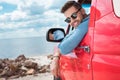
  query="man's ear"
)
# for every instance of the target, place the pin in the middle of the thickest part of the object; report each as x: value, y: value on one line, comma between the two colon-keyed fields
x: 82, y: 11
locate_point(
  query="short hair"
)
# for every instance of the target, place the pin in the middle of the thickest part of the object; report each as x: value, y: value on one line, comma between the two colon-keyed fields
x: 69, y: 4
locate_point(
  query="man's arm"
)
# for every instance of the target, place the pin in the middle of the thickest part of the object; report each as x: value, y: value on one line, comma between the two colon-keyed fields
x: 74, y: 38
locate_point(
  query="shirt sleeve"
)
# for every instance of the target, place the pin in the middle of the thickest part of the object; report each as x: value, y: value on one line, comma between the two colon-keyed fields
x: 74, y: 38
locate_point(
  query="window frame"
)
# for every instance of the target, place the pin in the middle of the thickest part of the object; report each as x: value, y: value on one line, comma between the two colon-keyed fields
x: 116, y: 7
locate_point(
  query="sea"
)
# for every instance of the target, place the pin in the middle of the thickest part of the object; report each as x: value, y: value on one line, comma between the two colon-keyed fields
x: 32, y: 46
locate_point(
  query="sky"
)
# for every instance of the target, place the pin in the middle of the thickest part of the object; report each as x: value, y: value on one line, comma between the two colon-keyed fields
x: 29, y: 18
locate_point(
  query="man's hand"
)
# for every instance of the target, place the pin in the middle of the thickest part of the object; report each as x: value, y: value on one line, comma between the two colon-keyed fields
x: 54, y: 66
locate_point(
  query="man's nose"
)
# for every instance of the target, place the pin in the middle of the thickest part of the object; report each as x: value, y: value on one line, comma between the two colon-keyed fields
x: 71, y: 23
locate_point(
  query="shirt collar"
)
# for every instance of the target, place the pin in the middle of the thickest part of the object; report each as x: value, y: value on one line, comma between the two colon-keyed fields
x: 86, y: 18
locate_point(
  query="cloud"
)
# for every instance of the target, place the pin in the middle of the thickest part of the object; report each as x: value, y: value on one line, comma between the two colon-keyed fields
x: 31, y: 32
x: 11, y: 1
x: 32, y: 7
x: 13, y: 16
x: 54, y: 16
x: 1, y: 8
x: 31, y: 18
x: 57, y: 4
x: 28, y: 15
x: 21, y: 33
x: 18, y: 15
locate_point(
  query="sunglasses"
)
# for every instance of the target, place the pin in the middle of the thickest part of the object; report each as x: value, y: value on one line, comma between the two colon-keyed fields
x: 73, y: 16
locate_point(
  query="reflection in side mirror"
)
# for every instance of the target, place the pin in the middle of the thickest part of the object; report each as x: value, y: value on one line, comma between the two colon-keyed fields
x: 55, y: 34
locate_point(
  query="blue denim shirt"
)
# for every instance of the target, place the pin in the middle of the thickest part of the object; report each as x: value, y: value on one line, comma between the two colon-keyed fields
x: 72, y: 40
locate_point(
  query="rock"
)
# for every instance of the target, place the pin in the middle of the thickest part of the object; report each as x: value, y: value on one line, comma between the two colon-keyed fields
x: 3, y: 65
x: 30, y: 72
x: 44, y: 69
x: 6, y: 68
x: 9, y: 70
x: 4, y: 72
x: 21, y: 66
x: 20, y: 58
x: 47, y: 68
x: 1, y: 62
x: 50, y: 57
x: 14, y: 76
x: 24, y: 68
x: 30, y: 64
x: 2, y: 78
x: 1, y: 71
x: 13, y: 67
x: 22, y: 72
x: 6, y: 61
x: 9, y: 73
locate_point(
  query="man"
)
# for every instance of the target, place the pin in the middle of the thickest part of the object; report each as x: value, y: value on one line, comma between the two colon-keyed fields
x: 77, y: 18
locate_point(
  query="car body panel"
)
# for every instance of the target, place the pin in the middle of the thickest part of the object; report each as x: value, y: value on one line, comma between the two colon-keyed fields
x: 106, y: 59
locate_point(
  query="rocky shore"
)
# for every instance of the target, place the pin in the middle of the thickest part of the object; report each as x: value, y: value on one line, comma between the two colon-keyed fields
x: 21, y: 67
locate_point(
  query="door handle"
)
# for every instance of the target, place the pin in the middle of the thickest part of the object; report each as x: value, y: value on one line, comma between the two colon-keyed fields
x: 86, y: 48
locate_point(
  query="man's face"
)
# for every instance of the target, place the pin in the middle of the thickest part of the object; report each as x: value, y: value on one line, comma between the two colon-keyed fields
x: 51, y: 37
x: 73, y: 22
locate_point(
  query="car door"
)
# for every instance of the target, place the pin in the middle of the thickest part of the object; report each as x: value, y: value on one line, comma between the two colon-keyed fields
x: 106, y: 52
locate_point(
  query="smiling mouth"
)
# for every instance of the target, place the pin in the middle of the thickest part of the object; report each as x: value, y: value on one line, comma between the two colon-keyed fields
x: 75, y: 24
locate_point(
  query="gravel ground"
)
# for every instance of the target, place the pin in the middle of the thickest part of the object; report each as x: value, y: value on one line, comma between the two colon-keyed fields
x: 43, y: 76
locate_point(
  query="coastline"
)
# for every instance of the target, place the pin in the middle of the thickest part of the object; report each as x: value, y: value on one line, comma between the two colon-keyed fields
x: 43, y: 63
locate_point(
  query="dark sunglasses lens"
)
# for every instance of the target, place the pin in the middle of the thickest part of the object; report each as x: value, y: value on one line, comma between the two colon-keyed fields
x: 74, y: 15
x: 68, y: 20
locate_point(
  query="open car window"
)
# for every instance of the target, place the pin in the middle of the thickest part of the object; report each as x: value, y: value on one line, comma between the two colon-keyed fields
x: 87, y: 7
x: 116, y: 6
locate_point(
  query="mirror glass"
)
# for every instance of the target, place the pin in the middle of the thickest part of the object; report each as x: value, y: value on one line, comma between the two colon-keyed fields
x: 55, y: 35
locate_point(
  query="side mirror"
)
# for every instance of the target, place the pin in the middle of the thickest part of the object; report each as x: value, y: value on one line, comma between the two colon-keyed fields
x: 55, y: 35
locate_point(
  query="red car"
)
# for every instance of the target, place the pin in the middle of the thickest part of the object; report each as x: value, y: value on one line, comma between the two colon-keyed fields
x: 99, y: 56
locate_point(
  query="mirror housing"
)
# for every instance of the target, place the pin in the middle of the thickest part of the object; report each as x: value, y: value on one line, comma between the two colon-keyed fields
x: 55, y: 35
